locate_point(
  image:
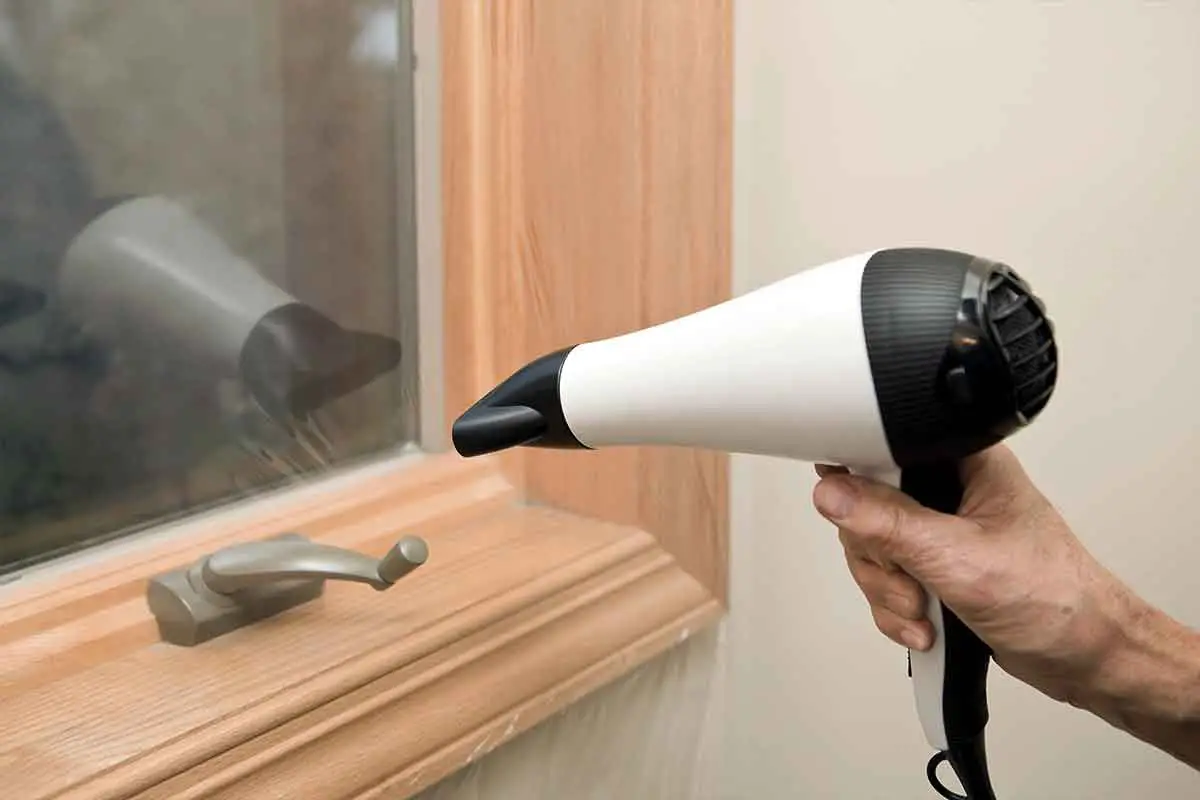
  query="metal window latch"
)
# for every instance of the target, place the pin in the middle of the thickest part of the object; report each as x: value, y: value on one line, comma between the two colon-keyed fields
x: 245, y: 583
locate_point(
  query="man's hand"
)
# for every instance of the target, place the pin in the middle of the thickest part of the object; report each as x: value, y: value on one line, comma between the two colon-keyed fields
x: 1007, y: 565
x: 1012, y: 570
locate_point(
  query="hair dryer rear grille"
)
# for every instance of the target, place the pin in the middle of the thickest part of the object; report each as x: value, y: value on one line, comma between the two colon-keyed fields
x: 1021, y: 330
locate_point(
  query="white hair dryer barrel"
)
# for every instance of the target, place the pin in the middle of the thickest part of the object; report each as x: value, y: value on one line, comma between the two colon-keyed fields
x: 897, y: 363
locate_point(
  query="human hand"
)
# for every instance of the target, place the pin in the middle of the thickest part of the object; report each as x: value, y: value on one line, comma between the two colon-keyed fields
x: 1008, y: 565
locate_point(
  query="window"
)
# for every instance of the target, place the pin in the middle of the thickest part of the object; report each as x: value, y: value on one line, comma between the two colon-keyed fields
x: 512, y: 184
x: 208, y: 262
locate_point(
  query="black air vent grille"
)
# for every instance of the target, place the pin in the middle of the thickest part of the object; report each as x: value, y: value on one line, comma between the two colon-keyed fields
x: 1021, y: 329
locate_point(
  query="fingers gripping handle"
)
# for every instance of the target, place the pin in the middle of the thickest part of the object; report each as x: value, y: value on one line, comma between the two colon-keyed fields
x: 950, y: 678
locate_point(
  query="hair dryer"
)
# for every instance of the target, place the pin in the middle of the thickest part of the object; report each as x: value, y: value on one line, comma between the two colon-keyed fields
x: 145, y: 270
x: 896, y: 363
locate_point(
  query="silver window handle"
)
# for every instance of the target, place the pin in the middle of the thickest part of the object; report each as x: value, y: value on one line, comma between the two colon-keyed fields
x: 253, y: 564
x: 252, y: 581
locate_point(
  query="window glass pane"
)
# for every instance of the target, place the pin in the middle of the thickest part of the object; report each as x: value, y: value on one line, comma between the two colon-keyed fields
x: 207, y: 269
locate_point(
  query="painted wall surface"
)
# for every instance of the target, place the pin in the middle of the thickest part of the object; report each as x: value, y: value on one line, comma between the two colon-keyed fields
x: 1062, y: 137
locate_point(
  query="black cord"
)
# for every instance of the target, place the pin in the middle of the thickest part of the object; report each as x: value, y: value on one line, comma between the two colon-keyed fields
x: 968, y: 759
x: 931, y: 773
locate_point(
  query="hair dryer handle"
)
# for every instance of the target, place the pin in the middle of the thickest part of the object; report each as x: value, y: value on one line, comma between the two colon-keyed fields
x: 949, y: 679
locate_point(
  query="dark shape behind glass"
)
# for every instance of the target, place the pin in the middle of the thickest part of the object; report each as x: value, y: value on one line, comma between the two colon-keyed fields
x: 133, y: 344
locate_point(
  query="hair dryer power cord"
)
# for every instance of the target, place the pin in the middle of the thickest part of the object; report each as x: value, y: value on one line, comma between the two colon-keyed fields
x: 969, y: 762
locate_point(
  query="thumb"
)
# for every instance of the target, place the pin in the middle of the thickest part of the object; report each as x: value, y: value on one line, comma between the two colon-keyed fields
x: 880, y: 518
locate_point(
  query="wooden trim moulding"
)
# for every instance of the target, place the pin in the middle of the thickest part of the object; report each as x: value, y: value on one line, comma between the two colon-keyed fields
x: 586, y: 190
x: 588, y: 185
x: 521, y: 610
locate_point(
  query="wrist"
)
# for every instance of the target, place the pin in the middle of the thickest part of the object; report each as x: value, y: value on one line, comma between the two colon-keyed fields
x: 1147, y: 679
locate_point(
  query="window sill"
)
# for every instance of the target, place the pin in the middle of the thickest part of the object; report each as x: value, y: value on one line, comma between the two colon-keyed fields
x: 520, y: 611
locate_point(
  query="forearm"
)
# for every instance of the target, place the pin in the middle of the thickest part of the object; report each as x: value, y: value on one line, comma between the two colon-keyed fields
x: 1148, y: 685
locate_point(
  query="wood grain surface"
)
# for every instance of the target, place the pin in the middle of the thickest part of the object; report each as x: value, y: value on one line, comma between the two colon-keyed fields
x: 588, y: 164
x: 519, y: 610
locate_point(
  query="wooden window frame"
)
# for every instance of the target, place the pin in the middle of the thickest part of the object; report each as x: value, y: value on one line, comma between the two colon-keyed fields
x: 586, y: 159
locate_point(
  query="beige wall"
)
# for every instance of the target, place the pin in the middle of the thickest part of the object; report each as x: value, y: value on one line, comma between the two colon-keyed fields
x: 1062, y: 137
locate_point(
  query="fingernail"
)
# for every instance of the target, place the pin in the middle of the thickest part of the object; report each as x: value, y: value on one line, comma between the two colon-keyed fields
x: 833, y: 498
x: 913, y: 639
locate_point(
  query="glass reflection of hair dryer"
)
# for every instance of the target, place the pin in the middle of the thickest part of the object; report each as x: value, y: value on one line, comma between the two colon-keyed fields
x: 896, y: 363
x: 143, y: 273
x: 122, y: 324
x: 147, y: 273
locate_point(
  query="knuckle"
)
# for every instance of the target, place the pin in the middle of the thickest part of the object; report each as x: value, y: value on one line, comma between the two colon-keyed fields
x: 867, y: 586
x: 866, y: 575
x: 874, y: 594
x: 906, y: 603
x: 888, y: 625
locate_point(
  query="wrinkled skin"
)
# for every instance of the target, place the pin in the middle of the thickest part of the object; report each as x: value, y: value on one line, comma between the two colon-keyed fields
x: 1007, y: 564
